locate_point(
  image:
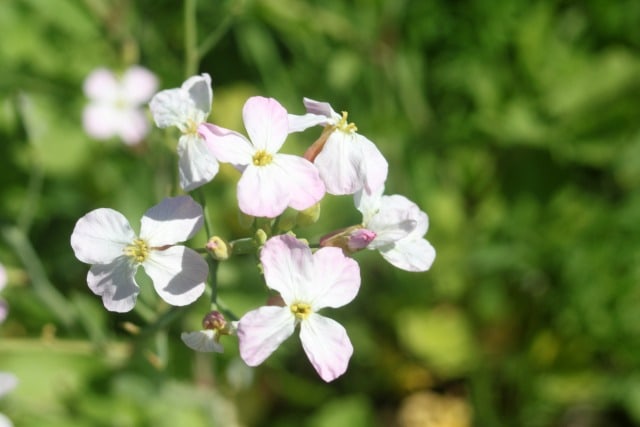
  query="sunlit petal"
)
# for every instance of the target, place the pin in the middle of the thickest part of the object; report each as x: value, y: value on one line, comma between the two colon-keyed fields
x: 261, y: 331
x: 115, y: 282
x: 173, y: 220
x: 100, y: 236
x: 327, y: 346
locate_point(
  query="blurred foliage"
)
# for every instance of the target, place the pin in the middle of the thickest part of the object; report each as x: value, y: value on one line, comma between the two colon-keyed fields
x: 515, y: 125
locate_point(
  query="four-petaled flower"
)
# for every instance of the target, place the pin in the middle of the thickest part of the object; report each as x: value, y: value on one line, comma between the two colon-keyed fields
x: 114, y: 108
x: 104, y: 238
x: 398, y: 225
x: 307, y: 282
x: 347, y: 161
x: 270, y: 181
x: 187, y: 107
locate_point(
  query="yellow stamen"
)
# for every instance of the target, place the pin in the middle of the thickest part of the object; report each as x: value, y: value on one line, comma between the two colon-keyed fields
x: 301, y: 310
x: 138, y: 250
x: 262, y: 158
x: 345, y: 126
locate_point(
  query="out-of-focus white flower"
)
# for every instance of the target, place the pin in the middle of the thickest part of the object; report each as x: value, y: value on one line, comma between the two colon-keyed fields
x: 307, y: 283
x: 270, y: 181
x: 104, y: 238
x: 114, y: 107
x: 347, y: 161
x: 398, y: 225
x: 186, y: 108
x: 7, y: 383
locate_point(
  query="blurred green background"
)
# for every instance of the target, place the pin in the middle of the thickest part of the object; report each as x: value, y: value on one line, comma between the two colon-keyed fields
x: 514, y: 124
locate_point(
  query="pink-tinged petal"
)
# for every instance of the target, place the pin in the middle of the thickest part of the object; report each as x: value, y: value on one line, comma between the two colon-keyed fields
x: 327, y: 346
x: 300, y: 179
x: 171, y: 107
x: 261, y: 331
x: 204, y: 341
x: 340, y: 163
x: 266, y: 122
x: 397, y: 217
x: 301, y: 123
x: 375, y: 166
x: 134, y: 127
x: 100, y: 236
x: 320, y: 108
x: 116, y: 283
x: 410, y: 254
x: 262, y: 192
x: 178, y: 274
x: 101, y: 121
x: 196, y: 165
x: 101, y: 85
x: 138, y: 85
x: 226, y: 145
x: 8, y: 382
x: 288, y: 265
x: 360, y: 239
x: 173, y: 220
x: 335, y: 281
x: 199, y: 90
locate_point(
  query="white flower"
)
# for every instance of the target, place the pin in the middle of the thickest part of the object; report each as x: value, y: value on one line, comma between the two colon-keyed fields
x: 307, y: 283
x: 114, y: 107
x: 7, y: 383
x: 399, y: 226
x: 347, y: 161
x: 104, y: 238
x: 270, y: 181
x: 187, y: 107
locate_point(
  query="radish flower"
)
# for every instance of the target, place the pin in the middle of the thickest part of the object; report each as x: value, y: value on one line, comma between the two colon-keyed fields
x: 347, y: 161
x: 115, y: 104
x: 398, y: 225
x: 270, y: 181
x: 307, y: 283
x: 187, y: 107
x: 104, y: 238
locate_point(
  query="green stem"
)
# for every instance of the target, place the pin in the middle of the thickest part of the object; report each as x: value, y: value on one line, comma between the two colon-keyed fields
x: 191, y: 59
x: 214, y: 37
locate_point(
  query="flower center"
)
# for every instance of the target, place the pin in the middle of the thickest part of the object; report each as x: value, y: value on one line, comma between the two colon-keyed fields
x: 345, y: 126
x: 191, y: 128
x: 138, y: 250
x: 301, y: 310
x: 262, y: 158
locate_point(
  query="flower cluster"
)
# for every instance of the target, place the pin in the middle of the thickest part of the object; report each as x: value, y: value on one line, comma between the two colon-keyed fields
x: 305, y: 278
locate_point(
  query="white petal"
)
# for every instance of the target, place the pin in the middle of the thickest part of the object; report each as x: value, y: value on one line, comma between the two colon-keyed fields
x: 197, y: 164
x: 202, y: 341
x: 261, y: 331
x: 288, y: 265
x: 375, y: 166
x: 173, y: 220
x: 327, y: 346
x: 411, y: 255
x: 101, y: 121
x: 340, y: 164
x: 335, y: 281
x: 101, y: 84
x: 178, y: 274
x: 266, y: 122
x: 262, y: 191
x: 5, y: 422
x: 133, y: 126
x: 8, y: 382
x: 320, y: 108
x: 397, y: 217
x: 301, y: 123
x: 116, y: 283
x: 138, y: 85
x: 171, y: 107
x: 3, y: 277
x: 200, y: 93
x: 300, y: 180
x: 100, y: 236
x: 368, y: 203
x: 226, y: 145
x: 4, y: 310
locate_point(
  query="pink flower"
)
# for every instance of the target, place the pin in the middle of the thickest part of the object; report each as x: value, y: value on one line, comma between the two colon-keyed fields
x: 270, y: 181
x: 307, y: 283
x: 115, y: 104
x: 104, y: 238
x: 347, y: 161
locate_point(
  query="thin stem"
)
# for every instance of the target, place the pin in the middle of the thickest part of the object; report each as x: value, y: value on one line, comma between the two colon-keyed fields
x: 191, y: 59
x: 214, y: 37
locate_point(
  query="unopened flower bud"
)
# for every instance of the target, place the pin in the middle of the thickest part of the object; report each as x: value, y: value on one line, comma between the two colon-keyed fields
x: 308, y: 216
x: 350, y: 239
x: 219, y: 249
x: 215, y: 321
x: 315, y: 148
x: 360, y: 239
x: 261, y: 237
